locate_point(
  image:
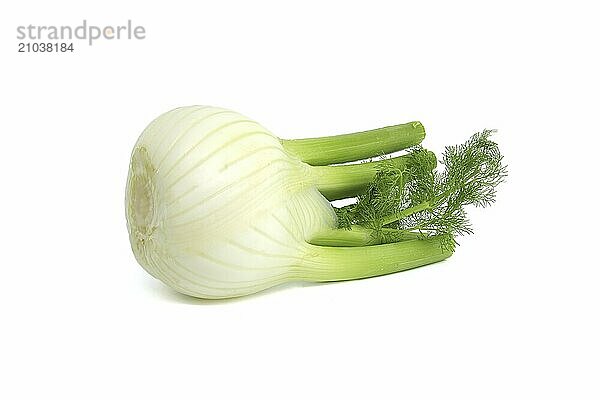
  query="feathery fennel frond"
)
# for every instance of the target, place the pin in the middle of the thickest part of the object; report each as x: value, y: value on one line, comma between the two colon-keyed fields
x: 416, y: 198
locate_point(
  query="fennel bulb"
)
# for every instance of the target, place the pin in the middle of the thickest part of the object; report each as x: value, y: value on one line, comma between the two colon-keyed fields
x: 217, y: 206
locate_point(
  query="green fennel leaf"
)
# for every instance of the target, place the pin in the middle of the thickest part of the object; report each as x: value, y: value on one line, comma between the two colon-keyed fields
x: 416, y: 198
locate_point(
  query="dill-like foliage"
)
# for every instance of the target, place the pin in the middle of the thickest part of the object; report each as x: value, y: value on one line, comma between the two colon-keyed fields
x: 416, y: 198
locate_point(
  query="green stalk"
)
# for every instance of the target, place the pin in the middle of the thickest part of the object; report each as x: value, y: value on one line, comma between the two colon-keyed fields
x: 323, y: 264
x: 342, y: 181
x: 358, y: 236
x: 356, y: 146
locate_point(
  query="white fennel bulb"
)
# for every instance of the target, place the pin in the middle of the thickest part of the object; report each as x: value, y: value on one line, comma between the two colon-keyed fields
x: 217, y: 206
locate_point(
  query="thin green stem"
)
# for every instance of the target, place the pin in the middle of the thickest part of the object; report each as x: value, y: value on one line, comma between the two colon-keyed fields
x: 405, y: 213
x: 356, y: 146
x: 322, y: 264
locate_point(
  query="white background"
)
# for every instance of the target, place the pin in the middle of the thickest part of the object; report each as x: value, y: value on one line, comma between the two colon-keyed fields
x: 513, y: 314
